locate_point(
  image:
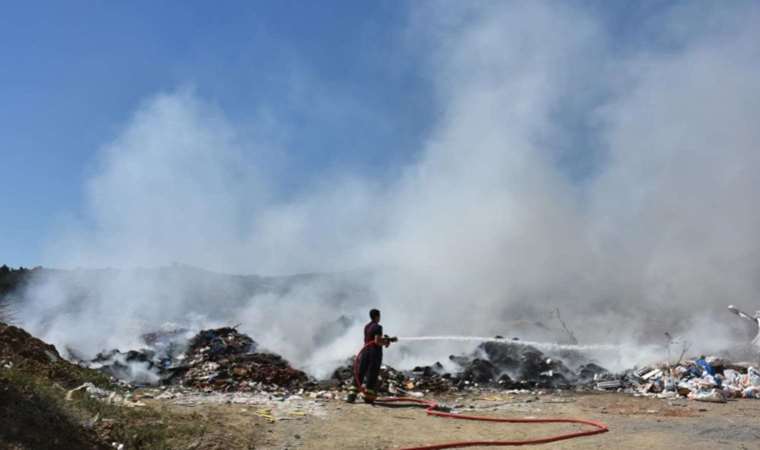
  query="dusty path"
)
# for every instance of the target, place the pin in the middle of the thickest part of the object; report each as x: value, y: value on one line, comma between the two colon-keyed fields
x: 635, y: 423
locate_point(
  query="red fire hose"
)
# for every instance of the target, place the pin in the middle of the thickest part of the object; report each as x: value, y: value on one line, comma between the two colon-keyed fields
x: 432, y: 409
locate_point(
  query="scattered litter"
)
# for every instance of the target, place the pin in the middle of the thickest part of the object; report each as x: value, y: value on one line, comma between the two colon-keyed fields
x: 110, y: 397
x: 713, y: 395
x: 707, y: 379
x: 266, y: 413
x: 224, y: 360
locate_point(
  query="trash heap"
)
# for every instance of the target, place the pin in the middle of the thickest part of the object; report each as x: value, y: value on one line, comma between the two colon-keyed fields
x: 514, y: 365
x: 499, y: 365
x: 147, y: 366
x: 709, y: 379
x: 511, y: 365
x: 221, y: 359
x: 224, y: 359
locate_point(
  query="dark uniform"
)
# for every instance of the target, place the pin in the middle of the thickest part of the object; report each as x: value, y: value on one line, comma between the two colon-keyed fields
x: 372, y: 357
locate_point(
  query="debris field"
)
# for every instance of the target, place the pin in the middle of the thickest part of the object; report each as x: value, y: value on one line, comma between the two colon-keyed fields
x: 225, y: 360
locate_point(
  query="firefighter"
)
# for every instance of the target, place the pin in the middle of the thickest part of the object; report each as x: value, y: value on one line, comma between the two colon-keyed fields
x: 371, y: 359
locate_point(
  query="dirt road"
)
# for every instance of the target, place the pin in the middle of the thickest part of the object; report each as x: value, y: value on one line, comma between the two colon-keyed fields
x: 634, y: 422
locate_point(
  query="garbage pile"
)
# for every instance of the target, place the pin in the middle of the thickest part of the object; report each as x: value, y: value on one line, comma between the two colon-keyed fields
x: 499, y: 365
x: 220, y: 359
x: 512, y: 364
x: 224, y: 359
x: 147, y: 366
x: 709, y: 379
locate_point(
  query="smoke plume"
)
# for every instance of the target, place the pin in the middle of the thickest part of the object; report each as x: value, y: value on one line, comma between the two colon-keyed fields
x: 613, y: 177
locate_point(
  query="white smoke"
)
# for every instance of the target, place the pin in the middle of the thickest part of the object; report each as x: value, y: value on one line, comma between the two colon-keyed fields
x: 489, y: 226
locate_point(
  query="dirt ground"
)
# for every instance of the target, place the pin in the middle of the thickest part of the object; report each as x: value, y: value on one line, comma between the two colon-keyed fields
x: 634, y: 422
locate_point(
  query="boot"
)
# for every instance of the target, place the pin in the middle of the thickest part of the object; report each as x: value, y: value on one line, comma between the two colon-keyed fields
x: 369, y: 396
x: 352, y: 394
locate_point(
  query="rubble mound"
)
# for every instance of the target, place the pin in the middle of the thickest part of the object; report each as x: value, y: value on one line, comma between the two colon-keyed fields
x: 499, y: 365
x: 147, y: 366
x: 223, y: 359
x: 513, y: 365
x: 218, y: 343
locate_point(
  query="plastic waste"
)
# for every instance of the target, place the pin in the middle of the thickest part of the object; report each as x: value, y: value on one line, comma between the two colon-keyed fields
x: 754, y: 376
x: 751, y: 392
x: 713, y: 396
x: 731, y: 376
x: 705, y: 366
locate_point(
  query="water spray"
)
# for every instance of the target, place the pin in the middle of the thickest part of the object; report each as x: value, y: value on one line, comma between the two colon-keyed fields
x: 540, y: 345
x: 432, y: 408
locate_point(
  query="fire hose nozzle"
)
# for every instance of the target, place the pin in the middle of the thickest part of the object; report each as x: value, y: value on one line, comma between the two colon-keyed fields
x: 390, y: 339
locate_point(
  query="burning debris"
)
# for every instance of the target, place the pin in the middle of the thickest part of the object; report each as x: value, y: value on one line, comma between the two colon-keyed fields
x: 498, y: 365
x: 220, y: 359
x: 511, y: 365
x: 225, y: 360
x: 147, y: 366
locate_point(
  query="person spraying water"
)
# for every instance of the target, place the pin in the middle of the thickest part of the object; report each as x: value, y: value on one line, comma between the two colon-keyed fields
x: 367, y: 369
x: 370, y: 360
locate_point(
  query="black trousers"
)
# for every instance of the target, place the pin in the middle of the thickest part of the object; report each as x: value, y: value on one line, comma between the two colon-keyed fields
x: 369, y: 367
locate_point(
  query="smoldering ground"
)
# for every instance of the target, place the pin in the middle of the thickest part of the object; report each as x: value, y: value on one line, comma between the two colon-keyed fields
x: 565, y: 167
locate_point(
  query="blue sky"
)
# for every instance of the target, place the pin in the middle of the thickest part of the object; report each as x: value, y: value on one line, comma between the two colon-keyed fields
x: 73, y: 73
